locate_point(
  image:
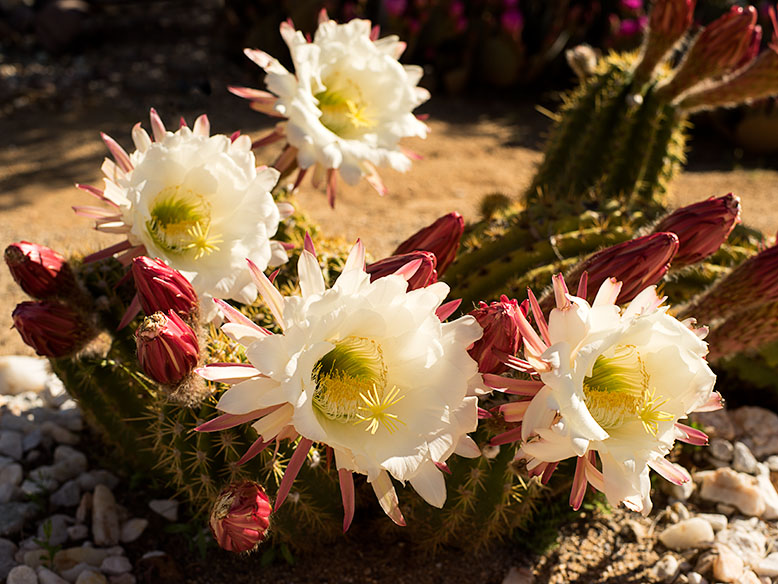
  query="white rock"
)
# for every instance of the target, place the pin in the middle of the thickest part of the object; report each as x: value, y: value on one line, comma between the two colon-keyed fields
x: 132, y: 529
x: 105, y: 521
x: 71, y: 557
x: 22, y: 575
x: 690, y: 533
x: 71, y: 574
x: 69, y: 462
x: 38, y: 486
x: 115, y: 565
x: 58, y: 433
x: 54, y: 392
x: 727, y: 486
x: 46, y: 576
x: 11, y: 474
x: 771, y: 462
x: 695, y: 578
x: 20, y: 374
x: 89, y: 480
x: 518, y: 576
x: 748, y: 577
x: 767, y: 489
x: 78, y: 532
x: 727, y: 566
x: 91, y: 577
x: 168, y: 508
x: 84, y: 509
x: 721, y: 449
x: 717, y: 520
x: 8, y: 493
x: 34, y: 558
x: 32, y: 440
x: 11, y: 444
x: 666, y: 568
x: 743, y: 460
x: 767, y: 566
x: 758, y: 428
x: 68, y: 495
x: 745, y: 539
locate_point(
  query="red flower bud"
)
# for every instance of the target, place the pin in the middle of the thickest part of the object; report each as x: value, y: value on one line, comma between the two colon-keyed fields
x: 53, y: 329
x: 441, y: 238
x: 424, y: 275
x: 501, y: 334
x: 668, y: 22
x: 724, y: 46
x: 161, y: 288
x: 702, y: 227
x: 240, y: 517
x: 39, y: 270
x: 637, y: 264
x: 167, y: 347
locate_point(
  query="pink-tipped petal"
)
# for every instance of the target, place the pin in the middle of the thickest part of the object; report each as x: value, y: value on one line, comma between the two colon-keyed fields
x: 539, y: 318
x: 374, y: 180
x: 299, y: 179
x: 549, y: 469
x: 107, y: 252
x: 715, y: 402
x: 608, y: 292
x: 294, y: 466
x: 96, y: 212
x: 308, y: 244
x: 691, y: 435
x: 375, y: 32
x: 447, y: 309
x: 119, y: 155
x: 232, y: 314
x: 274, y: 274
x: 580, y: 483
x: 332, y: 186
x: 408, y: 270
x: 323, y: 17
x: 202, y: 126
x: 252, y: 94
x: 674, y: 473
x: 235, y: 135
x: 346, y: 480
x: 157, y: 127
x: 519, y: 364
x: 182, y: 122
x: 443, y: 467
x: 583, y: 285
x: 226, y: 421
x: 256, y: 447
x: 271, y: 296
x: 511, y: 435
x: 514, y: 411
x: 512, y: 386
x: 132, y: 311
x: 228, y: 372
x: 484, y: 414
x: 560, y: 291
x: 529, y: 336
x: 387, y: 497
x: 356, y: 257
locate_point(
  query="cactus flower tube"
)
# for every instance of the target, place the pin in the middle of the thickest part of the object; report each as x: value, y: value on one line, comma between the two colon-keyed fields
x: 39, y: 270
x: 197, y: 202
x: 420, y: 263
x: 614, y: 384
x: 52, y: 328
x: 442, y: 238
x: 668, y: 22
x: 168, y: 350
x: 240, y: 518
x: 346, y: 105
x: 365, y: 368
x: 501, y: 334
x: 701, y: 227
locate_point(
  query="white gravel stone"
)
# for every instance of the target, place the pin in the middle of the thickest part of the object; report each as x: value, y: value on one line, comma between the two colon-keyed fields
x: 721, y: 449
x: 71, y: 574
x: 518, y: 576
x: 38, y: 486
x: 11, y: 474
x: 132, y: 529
x: 666, y: 568
x: 58, y: 433
x: 727, y: 486
x: 19, y: 374
x: 695, y: 578
x: 8, y: 493
x: 13, y: 515
x: 68, y: 495
x: 743, y: 460
x: 32, y: 440
x: 745, y: 538
x: 767, y: 566
x: 767, y: 489
x: 89, y: 480
x: 105, y: 521
x: 115, y: 565
x: 34, y: 558
x: 690, y: 533
x: 758, y: 428
x: 84, y: 509
x: 771, y: 462
x: 70, y: 557
x: 7, y: 551
x: 168, y: 508
x: 22, y: 575
x: 727, y: 566
x: 717, y: 520
x: 46, y: 576
x: 11, y: 444
x: 78, y: 532
x: 91, y: 577
x: 58, y: 529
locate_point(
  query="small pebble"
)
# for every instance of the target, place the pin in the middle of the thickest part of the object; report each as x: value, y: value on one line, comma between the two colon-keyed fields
x: 695, y: 578
x: 68, y: 495
x: 105, y: 521
x: 46, y: 576
x: 743, y: 460
x: 11, y: 444
x: 22, y: 575
x: 690, y: 533
x: 768, y: 566
x: 717, y: 520
x: 115, y: 565
x: 727, y: 566
x: 721, y: 449
x: 78, y: 532
x: 666, y: 568
x: 91, y: 577
x: 132, y: 529
x: 168, y: 508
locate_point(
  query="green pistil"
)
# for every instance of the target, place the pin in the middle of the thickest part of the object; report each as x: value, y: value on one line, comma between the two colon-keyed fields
x: 180, y: 222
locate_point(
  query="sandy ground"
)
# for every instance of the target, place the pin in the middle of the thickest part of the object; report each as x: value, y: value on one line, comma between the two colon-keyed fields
x: 474, y: 148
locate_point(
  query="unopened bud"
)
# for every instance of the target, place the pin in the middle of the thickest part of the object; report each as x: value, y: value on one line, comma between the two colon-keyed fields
x: 168, y: 350
x: 702, y: 227
x: 668, y: 22
x: 637, y: 264
x: 39, y: 270
x: 500, y: 321
x: 51, y: 328
x: 161, y: 288
x: 722, y: 47
x: 441, y: 238
x: 424, y: 275
x: 240, y: 517
x: 751, y: 284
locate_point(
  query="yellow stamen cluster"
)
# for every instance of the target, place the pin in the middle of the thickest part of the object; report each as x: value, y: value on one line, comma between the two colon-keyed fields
x: 376, y: 407
x: 343, y: 109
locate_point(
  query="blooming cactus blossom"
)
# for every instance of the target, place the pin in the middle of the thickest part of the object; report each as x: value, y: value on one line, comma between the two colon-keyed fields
x: 195, y: 201
x: 240, y: 517
x: 347, y: 104
x: 365, y: 368
x: 613, y: 385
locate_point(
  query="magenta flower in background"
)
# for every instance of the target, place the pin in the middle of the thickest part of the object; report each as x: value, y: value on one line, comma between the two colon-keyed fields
x: 395, y: 8
x: 512, y: 21
x: 632, y: 4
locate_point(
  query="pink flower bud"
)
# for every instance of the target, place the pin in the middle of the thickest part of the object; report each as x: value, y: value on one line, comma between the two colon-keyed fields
x: 51, y: 328
x: 39, y: 270
x: 161, y: 288
x: 501, y: 334
x: 441, y: 238
x: 702, y: 227
x: 637, y: 264
x: 167, y: 347
x: 722, y: 47
x: 668, y: 22
x: 424, y: 275
x: 240, y: 517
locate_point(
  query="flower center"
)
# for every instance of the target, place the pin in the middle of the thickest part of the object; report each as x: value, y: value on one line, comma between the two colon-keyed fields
x: 343, y: 108
x: 181, y: 222
x: 618, y: 391
x: 351, y: 385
